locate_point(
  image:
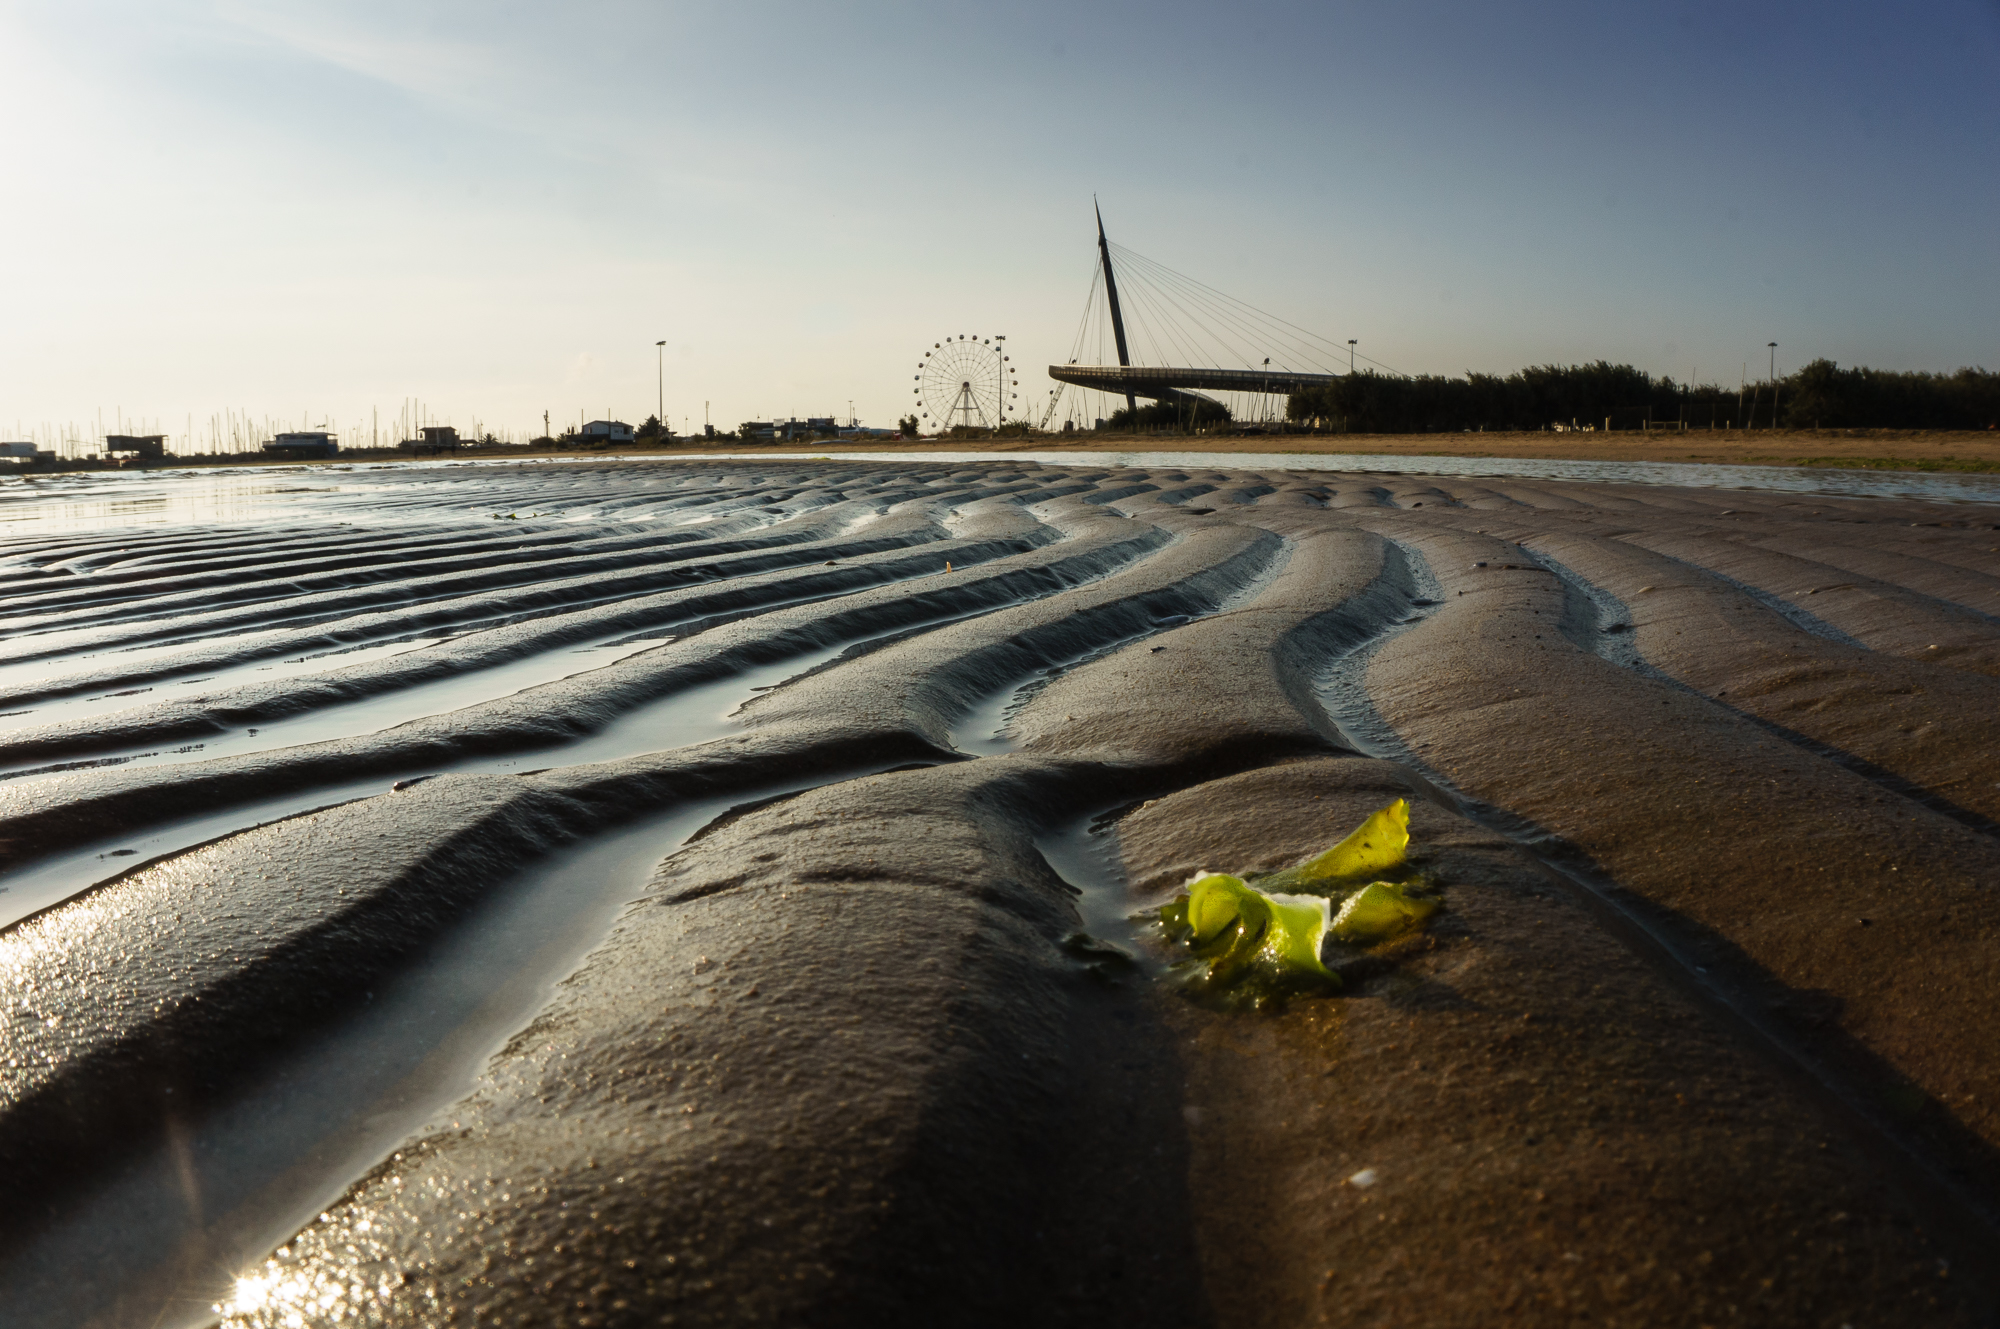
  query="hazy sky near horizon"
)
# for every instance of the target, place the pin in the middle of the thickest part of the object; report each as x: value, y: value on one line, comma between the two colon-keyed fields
x: 315, y: 210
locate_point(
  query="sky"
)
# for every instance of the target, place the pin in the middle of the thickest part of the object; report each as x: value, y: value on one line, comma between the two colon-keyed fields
x: 304, y: 214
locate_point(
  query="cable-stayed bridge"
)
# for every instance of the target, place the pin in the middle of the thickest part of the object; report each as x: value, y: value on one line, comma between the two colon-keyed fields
x: 1177, y: 339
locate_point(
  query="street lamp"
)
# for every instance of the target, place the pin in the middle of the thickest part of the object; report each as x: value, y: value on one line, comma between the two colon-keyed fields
x: 1350, y: 354
x: 1774, y: 383
x: 661, y: 355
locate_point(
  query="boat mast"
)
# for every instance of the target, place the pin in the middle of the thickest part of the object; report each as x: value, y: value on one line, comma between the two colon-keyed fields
x: 1111, y: 289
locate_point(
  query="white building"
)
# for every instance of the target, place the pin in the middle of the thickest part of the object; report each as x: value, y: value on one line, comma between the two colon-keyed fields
x: 607, y: 431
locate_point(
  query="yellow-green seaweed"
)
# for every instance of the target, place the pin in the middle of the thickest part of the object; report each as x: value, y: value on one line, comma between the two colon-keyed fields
x: 1240, y: 925
x: 1378, y: 844
x: 1378, y: 911
x: 1254, y: 941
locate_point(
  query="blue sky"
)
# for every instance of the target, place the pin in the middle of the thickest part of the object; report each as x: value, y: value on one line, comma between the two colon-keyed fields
x: 315, y: 210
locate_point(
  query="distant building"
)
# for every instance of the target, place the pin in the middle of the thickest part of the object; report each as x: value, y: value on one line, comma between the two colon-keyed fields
x: 812, y: 426
x: 758, y: 431
x: 607, y: 431
x: 150, y: 446
x: 25, y: 451
x: 436, y: 438
x: 303, y: 444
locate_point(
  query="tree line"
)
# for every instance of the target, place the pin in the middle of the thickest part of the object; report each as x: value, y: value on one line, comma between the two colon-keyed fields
x: 1600, y: 395
x: 1185, y: 412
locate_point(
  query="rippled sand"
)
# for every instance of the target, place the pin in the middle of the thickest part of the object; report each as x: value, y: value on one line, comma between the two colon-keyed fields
x: 649, y: 892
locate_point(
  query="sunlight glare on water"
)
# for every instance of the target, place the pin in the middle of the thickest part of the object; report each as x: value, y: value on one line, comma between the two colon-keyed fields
x: 106, y: 500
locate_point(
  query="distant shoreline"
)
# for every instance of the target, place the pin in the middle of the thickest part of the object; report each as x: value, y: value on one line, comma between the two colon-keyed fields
x: 1975, y: 451
x: 1962, y: 451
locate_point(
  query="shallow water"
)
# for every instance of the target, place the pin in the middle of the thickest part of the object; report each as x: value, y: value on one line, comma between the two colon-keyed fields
x: 1084, y: 852
x: 355, y: 494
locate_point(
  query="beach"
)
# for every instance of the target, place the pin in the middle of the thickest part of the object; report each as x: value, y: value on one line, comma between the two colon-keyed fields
x: 714, y: 891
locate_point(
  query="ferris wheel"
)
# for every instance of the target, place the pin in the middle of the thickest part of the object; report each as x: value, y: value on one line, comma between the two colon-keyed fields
x: 966, y: 380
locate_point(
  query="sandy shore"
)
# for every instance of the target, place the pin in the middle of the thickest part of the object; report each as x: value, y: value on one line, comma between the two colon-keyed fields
x: 1967, y: 451
x: 1703, y: 1032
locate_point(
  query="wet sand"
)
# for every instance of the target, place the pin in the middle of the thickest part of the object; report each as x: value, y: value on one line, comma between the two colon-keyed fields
x: 1703, y: 1033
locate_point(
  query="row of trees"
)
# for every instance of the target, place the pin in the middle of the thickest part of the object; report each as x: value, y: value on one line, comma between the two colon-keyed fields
x: 1825, y: 395
x: 1821, y: 395
x: 1189, y: 412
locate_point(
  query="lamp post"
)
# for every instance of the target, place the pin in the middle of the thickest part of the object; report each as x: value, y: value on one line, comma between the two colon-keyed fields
x: 1350, y: 354
x: 1774, y: 383
x: 660, y: 354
